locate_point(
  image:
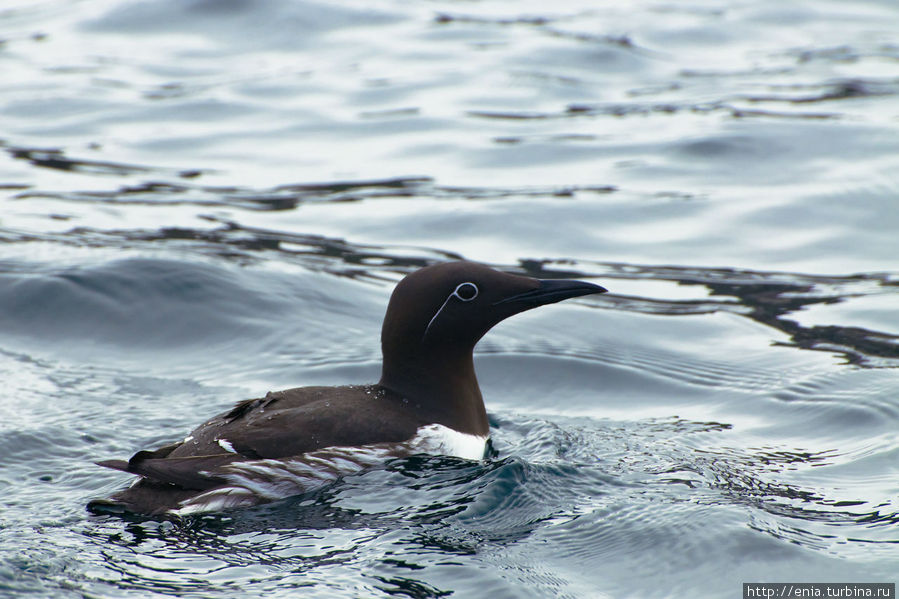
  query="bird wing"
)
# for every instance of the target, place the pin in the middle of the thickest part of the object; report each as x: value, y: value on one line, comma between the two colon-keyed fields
x: 285, y: 429
x: 286, y: 424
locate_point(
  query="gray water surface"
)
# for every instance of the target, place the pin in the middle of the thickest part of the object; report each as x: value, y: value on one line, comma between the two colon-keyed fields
x: 203, y: 201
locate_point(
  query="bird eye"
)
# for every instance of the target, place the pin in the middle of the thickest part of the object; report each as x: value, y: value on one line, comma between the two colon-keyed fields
x: 466, y: 292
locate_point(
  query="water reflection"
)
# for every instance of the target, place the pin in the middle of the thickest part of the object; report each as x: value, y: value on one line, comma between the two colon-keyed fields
x: 765, y: 297
x: 388, y: 527
x: 205, y: 199
x: 56, y: 159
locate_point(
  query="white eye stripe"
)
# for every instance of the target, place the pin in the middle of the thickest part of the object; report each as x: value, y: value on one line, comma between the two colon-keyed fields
x: 469, y: 289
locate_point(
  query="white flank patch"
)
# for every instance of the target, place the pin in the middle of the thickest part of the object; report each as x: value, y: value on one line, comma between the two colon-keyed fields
x: 441, y: 440
x: 258, y: 481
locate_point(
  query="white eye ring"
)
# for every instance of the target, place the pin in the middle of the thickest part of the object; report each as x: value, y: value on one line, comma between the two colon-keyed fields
x: 468, y: 288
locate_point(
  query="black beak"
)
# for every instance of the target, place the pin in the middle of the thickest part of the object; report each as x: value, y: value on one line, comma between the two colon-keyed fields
x: 551, y: 291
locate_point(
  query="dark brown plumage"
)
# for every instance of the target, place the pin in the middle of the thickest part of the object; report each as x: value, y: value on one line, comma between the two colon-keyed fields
x: 434, y: 319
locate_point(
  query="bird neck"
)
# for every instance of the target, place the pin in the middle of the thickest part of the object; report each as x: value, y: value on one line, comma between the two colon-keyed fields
x: 441, y: 386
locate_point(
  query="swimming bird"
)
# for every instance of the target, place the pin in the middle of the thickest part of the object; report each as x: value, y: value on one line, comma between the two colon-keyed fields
x: 289, y: 442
